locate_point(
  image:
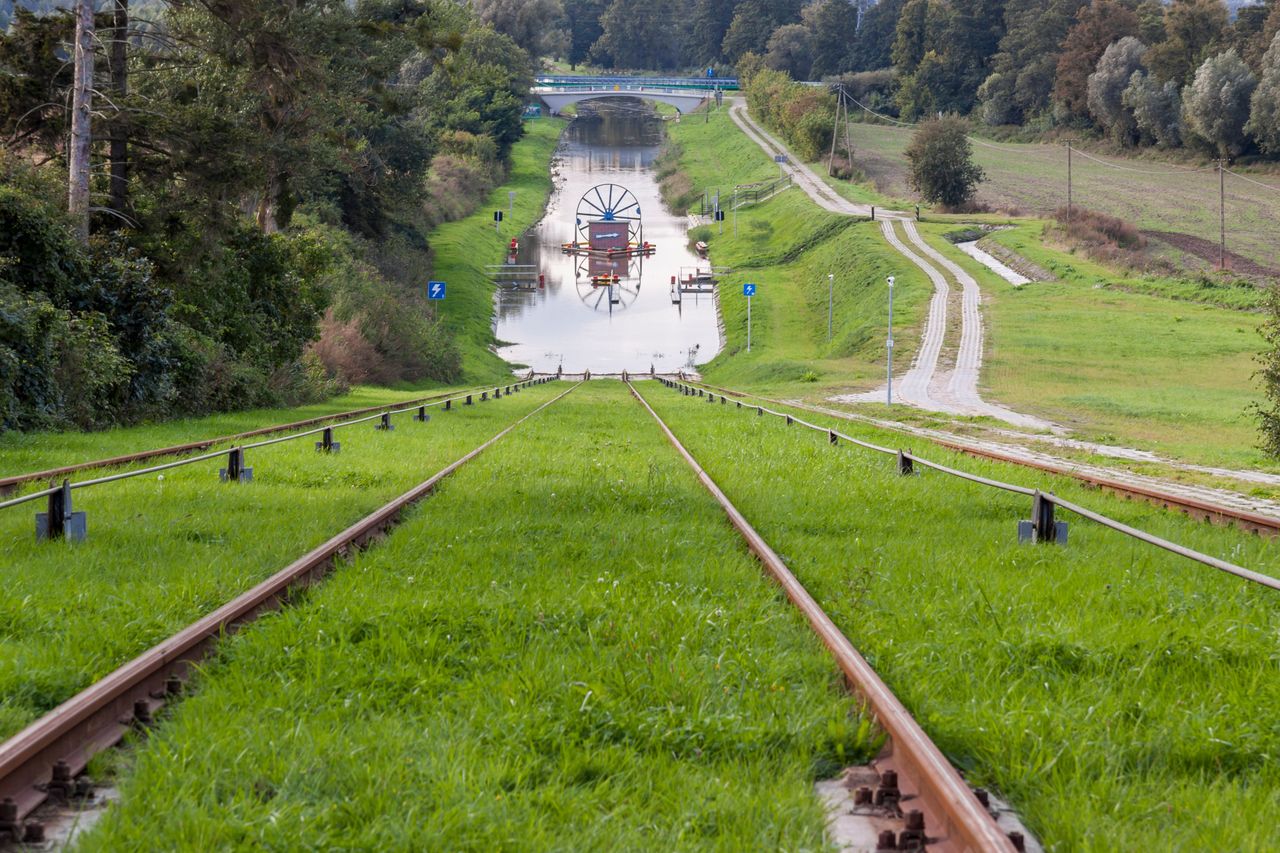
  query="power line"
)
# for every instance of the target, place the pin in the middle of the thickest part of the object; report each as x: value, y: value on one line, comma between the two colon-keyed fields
x: 1251, y: 180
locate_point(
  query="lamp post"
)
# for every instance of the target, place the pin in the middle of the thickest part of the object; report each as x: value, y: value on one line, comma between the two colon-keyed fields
x: 889, y: 345
x: 831, y: 284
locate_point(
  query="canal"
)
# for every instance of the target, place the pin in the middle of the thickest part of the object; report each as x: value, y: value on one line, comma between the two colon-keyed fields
x: 606, y: 155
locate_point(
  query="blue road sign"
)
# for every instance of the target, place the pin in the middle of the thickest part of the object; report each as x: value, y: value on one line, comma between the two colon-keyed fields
x: 779, y: 158
x: 748, y: 290
x: 435, y: 289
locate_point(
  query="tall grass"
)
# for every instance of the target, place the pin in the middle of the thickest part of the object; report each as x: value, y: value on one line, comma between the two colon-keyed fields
x: 164, y: 550
x: 566, y: 649
x: 1123, y: 698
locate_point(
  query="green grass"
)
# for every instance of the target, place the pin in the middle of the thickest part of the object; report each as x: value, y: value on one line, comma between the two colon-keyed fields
x: 566, y: 648
x: 1032, y: 177
x: 787, y: 246
x: 163, y: 552
x: 462, y: 249
x: 1140, y: 369
x: 1122, y: 698
x: 24, y: 452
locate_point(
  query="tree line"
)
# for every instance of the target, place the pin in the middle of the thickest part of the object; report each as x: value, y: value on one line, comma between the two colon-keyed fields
x: 246, y: 223
x: 1142, y: 72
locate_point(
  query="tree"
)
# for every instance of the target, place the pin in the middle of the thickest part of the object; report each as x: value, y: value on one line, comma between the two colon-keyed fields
x: 81, y: 117
x: 1150, y: 22
x: 1216, y: 104
x: 709, y: 21
x: 753, y: 22
x: 1264, y: 114
x: 833, y: 28
x: 873, y: 48
x: 640, y: 34
x: 538, y: 26
x: 1156, y: 108
x: 940, y: 162
x: 791, y: 50
x: 582, y: 19
x: 1097, y: 26
x: 1021, y: 80
x: 1106, y: 88
x: 1192, y: 28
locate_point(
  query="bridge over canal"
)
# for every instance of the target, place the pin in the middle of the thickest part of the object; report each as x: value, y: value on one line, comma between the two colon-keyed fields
x: 683, y: 93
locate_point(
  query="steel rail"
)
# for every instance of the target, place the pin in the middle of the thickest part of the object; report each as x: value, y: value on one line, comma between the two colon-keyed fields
x: 98, y: 717
x: 1250, y: 521
x: 192, y: 460
x: 954, y: 818
x: 9, y: 484
x: 1083, y: 512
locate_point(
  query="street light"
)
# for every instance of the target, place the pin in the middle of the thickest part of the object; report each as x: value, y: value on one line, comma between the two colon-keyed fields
x: 831, y: 283
x: 889, y: 344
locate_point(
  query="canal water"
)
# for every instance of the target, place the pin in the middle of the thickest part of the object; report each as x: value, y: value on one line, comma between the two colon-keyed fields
x: 571, y: 323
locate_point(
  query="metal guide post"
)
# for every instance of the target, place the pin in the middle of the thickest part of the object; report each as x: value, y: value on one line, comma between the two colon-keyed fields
x: 235, y: 472
x: 326, y: 443
x: 468, y: 400
x: 904, y: 464
x: 1042, y: 527
x: 384, y: 423
x: 60, y: 522
x: 422, y: 416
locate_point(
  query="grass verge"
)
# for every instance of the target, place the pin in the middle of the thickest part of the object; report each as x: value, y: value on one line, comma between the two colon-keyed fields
x: 1120, y: 696
x: 163, y: 551
x: 568, y: 648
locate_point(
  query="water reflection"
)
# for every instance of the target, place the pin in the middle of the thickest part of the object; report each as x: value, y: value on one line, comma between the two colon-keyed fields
x: 633, y: 323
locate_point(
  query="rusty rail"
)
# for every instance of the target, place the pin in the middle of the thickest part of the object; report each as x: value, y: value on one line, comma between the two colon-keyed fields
x: 955, y: 820
x: 10, y: 484
x: 1049, y: 498
x: 1251, y: 521
x: 44, y: 758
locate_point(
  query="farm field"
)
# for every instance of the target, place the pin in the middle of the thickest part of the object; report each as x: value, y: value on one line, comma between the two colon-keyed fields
x: 567, y: 647
x: 165, y: 549
x: 1154, y: 195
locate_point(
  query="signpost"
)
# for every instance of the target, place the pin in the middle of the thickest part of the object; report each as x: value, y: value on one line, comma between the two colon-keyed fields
x: 831, y: 285
x: 781, y: 160
x: 435, y: 293
x: 511, y: 201
x: 748, y: 290
x: 889, y: 344
x: 497, y: 221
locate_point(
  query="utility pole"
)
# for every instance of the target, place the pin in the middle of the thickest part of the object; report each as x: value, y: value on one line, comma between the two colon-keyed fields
x: 81, y: 115
x: 1222, y: 216
x: 831, y: 160
x: 1068, y: 180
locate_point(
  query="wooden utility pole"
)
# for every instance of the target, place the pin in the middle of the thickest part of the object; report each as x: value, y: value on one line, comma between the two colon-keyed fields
x: 1222, y: 216
x: 81, y: 110
x: 835, y: 127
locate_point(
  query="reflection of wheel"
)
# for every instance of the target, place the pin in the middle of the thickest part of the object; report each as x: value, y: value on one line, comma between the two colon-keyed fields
x: 607, y: 298
x: 609, y: 203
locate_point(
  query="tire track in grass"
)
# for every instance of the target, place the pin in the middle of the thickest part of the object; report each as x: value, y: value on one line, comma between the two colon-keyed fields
x: 567, y: 648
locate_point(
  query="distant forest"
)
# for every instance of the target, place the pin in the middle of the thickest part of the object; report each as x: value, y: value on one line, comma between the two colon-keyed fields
x: 1189, y: 73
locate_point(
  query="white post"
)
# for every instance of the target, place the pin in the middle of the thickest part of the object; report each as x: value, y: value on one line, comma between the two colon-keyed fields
x: 748, y: 324
x: 889, y: 397
x: 735, y: 211
x: 831, y: 283
x: 511, y: 201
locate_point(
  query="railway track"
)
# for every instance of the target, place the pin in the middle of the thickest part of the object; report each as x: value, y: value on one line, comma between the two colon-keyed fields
x: 1201, y: 510
x: 10, y: 484
x: 938, y: 810
x: 47, y: 759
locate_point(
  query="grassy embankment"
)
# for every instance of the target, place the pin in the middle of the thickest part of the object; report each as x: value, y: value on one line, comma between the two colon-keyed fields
x: 566, y: 649
x: 162, y: 551
x: 788, y: 245
x: 462, y: 249
x: 1121, y: 697
x: 1122, y: 358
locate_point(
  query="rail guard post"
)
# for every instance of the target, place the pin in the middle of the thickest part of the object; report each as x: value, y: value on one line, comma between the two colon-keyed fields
x: 1042, y: 527
x: 60, y: 522
x: 326, y: 443
x: 905, y: 468
x: 235, y: 472
x: 384, y: 423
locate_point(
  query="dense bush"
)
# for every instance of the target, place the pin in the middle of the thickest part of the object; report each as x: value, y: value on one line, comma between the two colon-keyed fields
x: 803, y: 115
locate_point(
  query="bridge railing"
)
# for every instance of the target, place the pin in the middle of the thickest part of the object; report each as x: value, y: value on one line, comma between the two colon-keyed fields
x: 725, y: 84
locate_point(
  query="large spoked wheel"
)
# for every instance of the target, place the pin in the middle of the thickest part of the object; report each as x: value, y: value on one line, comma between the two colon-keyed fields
x: 608, y: 203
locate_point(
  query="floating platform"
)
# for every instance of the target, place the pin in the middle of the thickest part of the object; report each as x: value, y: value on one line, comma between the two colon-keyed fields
x: 633, y: 250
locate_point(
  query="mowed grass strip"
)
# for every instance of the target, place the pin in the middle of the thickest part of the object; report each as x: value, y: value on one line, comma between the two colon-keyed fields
x: 1122, y: 697
x: 21, y: 453
x: 164, y: 550
x: 568, y: 648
